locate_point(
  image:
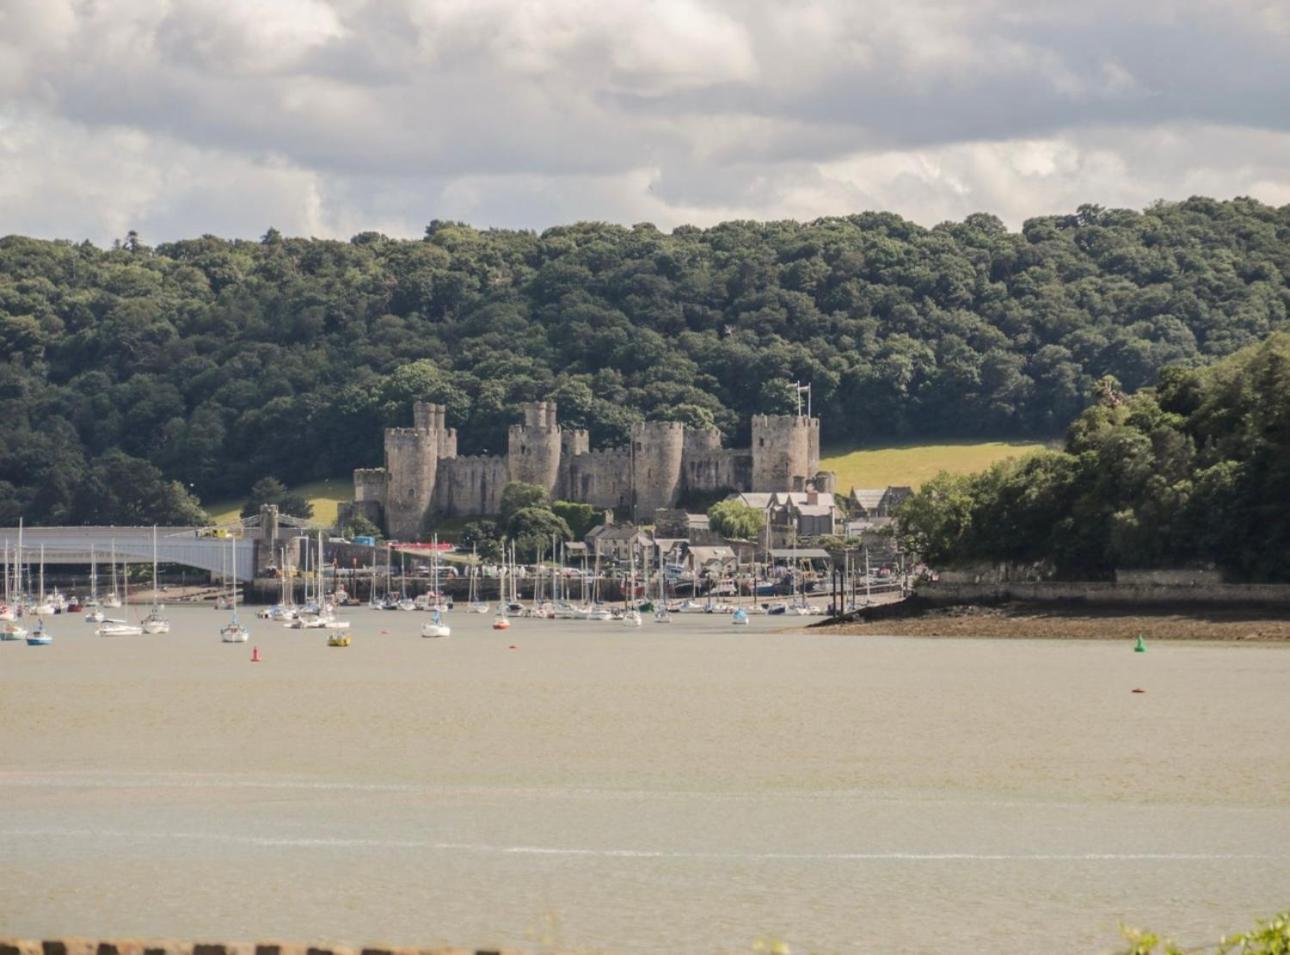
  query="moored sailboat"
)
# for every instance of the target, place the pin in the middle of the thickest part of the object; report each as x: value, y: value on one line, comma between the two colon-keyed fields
x: 155, y: 622
x: 436, y: 627
x: 40, y: 637
x: 117, y: 627
x: 234, y: 631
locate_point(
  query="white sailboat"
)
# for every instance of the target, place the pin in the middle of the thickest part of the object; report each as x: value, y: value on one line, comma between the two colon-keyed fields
x: 234, y: 631
x: 631, y: 615
x: 436, y: 627
x: 95, y: 614
x: 43, y: 605
x: 119, y: 627
x: 661, y: 613
x: 113, y: 601
x: 474, y: 604
x: 502, y: 620
x: 155, y: 622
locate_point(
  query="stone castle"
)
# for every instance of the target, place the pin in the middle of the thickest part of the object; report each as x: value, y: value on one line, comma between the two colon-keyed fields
x: 424, y: 476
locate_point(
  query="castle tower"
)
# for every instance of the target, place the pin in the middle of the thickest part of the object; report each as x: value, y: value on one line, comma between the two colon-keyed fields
x: 533, y: 448
x: 658, y: 448
x: 785, y: 452
x: 412, y: 462
x: 573, y: 442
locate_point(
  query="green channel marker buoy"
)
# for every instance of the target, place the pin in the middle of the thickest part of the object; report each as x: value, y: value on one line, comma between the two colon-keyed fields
x: 1140, y: 646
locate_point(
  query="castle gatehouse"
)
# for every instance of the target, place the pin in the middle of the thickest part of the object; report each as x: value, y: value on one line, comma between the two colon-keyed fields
x: 664, y: 460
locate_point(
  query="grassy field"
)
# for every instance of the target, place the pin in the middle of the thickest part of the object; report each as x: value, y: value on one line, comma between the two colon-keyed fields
x: 325, y: 495
x: 912, y: 465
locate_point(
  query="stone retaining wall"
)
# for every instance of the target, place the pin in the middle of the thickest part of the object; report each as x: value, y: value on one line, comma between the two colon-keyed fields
x: 90, y: 946
x: 1104, y: 593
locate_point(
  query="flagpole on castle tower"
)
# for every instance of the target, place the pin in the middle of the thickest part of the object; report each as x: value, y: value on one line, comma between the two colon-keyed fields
x: 801, y: 388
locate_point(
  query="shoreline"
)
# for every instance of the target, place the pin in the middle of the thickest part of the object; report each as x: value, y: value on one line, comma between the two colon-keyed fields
x: 1017, y: 621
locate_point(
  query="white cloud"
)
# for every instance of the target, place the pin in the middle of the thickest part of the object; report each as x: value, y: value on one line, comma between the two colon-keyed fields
x: 333, y: 116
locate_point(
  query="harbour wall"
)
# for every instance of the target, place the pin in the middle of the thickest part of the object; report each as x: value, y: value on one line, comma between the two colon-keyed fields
x: 1121, y: 594
x: 88, y: 946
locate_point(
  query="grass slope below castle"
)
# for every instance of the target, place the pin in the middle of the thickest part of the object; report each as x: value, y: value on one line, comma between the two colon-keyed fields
x: 325, y: 495
x: 871, y: 468
x: 916, y: 464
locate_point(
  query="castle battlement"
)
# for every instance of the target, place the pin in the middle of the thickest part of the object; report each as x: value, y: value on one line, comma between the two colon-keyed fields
x: 664, y: 460
x: 785, y: 421
x: 658, y: 427
x: 606, y: 454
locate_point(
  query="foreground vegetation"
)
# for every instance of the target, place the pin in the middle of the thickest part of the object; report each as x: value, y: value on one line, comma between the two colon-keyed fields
x: 1270, y: 937
x: 205, y: 365
x: 1195, y: 471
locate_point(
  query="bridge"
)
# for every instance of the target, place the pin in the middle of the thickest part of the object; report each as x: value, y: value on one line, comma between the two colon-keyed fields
x: 175, y: 545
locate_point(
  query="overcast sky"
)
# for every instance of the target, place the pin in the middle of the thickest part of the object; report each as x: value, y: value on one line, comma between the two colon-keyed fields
x: 330, y: 117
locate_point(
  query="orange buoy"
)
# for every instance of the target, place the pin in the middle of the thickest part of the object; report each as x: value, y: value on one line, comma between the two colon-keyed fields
x: 255, y: 654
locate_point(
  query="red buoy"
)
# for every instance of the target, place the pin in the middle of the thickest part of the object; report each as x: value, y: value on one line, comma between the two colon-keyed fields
x: 255, y: 654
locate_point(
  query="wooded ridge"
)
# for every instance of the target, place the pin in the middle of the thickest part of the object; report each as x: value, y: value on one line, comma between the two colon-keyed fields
x: 133, y: 376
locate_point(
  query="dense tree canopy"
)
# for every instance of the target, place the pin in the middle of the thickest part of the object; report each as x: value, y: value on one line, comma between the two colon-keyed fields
x: 732, y: 518
x: 220, y: 362
x: 1195, y: 471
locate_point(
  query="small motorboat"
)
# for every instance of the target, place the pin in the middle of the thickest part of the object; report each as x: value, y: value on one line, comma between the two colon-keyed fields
x: 112, y: 627
x: 40, y: 637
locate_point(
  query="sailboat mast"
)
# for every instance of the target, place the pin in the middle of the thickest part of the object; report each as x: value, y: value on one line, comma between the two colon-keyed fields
x: 233, y: 564
x: 154, y: 566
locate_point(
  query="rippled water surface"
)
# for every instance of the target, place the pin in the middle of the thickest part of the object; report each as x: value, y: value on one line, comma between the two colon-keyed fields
x: 687, y: 788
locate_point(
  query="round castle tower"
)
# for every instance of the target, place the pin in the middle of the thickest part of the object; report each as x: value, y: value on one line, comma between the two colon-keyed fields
x: 412, y: 464
x: 533, y: 448
x: 785, y: 452
x: 658, y: 448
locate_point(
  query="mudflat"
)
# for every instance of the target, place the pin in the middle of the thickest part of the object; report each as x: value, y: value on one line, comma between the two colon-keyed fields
x: 1020, y: 620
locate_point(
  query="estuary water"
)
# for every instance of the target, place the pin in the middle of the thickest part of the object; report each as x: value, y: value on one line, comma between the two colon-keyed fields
x: 692, y: 788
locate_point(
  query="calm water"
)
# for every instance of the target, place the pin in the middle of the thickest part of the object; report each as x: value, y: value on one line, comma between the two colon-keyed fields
x: 687, y: 788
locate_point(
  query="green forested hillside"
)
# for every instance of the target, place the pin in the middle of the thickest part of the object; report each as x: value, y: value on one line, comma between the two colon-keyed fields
x: 1195, y: 471
x: 212, y: 363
